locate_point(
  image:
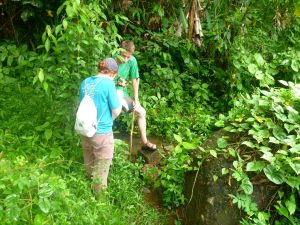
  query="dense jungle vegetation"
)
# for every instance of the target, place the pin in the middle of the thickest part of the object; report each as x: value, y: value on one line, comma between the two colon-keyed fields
x: 204, y: 64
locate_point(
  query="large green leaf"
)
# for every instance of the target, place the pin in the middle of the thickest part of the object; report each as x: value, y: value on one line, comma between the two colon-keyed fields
x: 13, y: 212
x: 282, y: 210
x: 293, y: 117
x: 259, y: 59
x: 277, y: 108
x: 293, y: 181
x: 274, y: 175
x: 255, y: 166
x: 252, y: 68
x: 41, y: 75
x: 295, y: 166
x: 47, y: 44
x: 222, y: 143
x: 295, y: 66
x: 249, y: 144
x: 247, y: 186
x: 291, y: 204
x: 279, y: 133
x: 259, y: 75
x: 289, y: 127
x: 213, y: 153
x: 264, y: 133
x: 295, y: 149
x: 10, y: 60
x: 177, y: 138
x: 268, y: 156
x: 45, y: 191
x: 44, y: 205
x: 188, y: 146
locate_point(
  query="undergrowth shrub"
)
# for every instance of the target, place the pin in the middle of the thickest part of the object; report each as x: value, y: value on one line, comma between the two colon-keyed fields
x: 42, y: 177
x: 269, y: 121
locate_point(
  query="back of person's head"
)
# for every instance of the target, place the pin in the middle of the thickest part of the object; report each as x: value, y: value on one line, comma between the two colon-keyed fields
x: 128, y: 46
x: 107, y: 65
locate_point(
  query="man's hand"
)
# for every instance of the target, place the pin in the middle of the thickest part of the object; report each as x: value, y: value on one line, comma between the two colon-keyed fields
x: 136, y: 104
x: 121, y: 82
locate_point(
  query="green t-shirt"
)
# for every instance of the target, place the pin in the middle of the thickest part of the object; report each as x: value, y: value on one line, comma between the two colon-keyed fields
x: 127, y: 69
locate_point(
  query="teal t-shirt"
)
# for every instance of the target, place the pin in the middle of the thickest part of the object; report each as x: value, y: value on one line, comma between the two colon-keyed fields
x: 103, y: 92
x: 127, y: 70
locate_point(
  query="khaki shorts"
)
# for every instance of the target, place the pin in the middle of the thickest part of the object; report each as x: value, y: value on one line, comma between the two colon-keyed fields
x: 97, y: 149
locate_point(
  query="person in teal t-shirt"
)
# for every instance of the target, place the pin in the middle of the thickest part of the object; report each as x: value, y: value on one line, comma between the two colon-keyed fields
x: 128, y: 69
x: 98, y: 150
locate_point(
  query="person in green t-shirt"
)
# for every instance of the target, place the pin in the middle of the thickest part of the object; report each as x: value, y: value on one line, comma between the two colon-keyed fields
x: 128, y: 69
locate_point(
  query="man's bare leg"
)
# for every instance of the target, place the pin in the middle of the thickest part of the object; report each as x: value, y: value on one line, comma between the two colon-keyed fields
x: 141, y: 113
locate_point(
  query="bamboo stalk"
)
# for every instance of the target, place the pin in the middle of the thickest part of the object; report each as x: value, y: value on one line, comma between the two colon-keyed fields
x: 197, y: 26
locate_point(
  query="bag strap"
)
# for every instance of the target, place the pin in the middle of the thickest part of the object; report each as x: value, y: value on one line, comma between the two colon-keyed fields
x: 85, y: 92
x: 101, y: 115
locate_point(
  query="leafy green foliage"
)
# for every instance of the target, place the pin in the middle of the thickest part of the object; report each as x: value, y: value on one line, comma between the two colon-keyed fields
x: 172, y: 174
x: 247, y: 44
x: 244, y: 202
x: 177, y: 97
x: 253, y: 70
x: 153, y: 15
x: 24, y: 20
x: 270, y: 119
x: 16, y: 63
x: 251, y: 44
x: 42, y: 175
